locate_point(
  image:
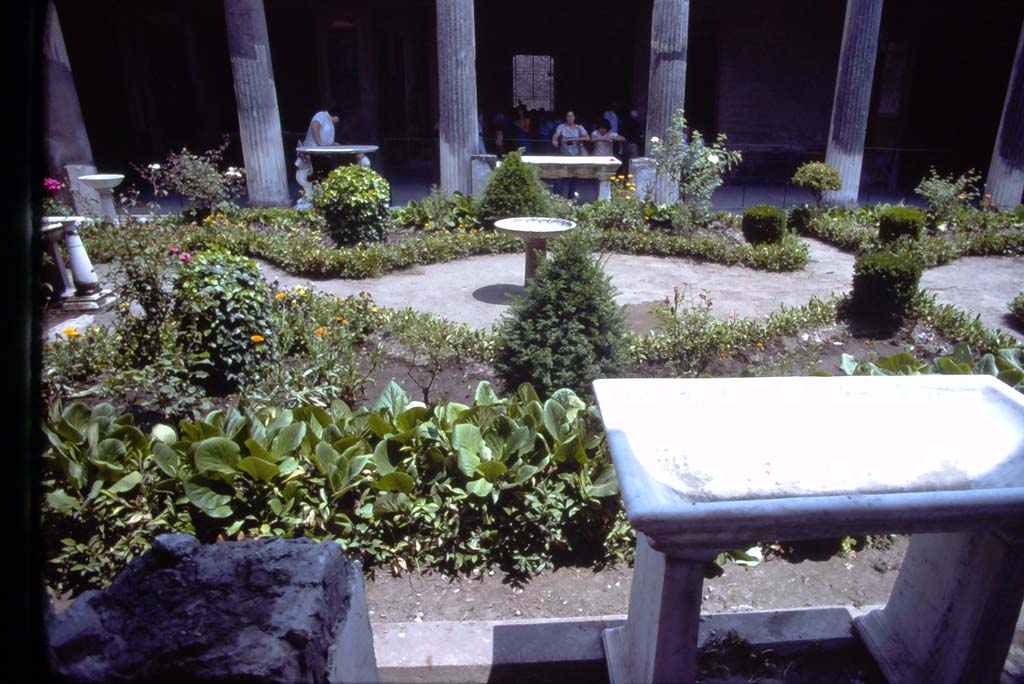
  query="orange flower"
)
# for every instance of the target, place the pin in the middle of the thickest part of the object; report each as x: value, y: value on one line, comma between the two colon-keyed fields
x: 256, y: 338
x: 279, y: 295
x: 71, y: 332
x: 760, y: 346
x: 321, y: 331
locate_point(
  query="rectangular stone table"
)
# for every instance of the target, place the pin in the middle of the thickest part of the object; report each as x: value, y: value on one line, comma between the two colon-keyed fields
x: 600, y: 169
x: 710, y: 465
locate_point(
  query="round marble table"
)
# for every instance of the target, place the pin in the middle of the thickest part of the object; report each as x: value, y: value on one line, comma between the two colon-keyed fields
x: 535, y: 232
x: 340, y: 152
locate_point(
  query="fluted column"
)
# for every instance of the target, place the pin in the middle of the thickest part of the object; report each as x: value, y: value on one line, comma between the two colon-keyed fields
x: 853, y: 97
x: 256, y: 96
x: 1005, y: 181
x: 456, y: 69
x: 666, y: 89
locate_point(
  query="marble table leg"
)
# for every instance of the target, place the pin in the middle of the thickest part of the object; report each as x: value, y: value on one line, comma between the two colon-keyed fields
x: 535, y: 251
x: 658, y: 643
x: 953, y: 610
x: 82, y: 272
x: 604, y: 186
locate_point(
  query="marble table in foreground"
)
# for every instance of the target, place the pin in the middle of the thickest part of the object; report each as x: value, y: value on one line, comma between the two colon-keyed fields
x: 709, y: 465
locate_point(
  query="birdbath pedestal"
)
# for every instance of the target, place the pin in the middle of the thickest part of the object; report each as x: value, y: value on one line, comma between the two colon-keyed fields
x: 82, y: 292
x: 535, y: 232
x: 104, y: 184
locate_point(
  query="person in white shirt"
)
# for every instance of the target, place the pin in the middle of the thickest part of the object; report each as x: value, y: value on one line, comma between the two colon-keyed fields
x: 319, y: 134
x: 604, y: 138
x: 569, y: 138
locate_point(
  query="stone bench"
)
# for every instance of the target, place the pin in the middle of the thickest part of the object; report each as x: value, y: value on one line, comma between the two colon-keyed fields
x: 709, y: 465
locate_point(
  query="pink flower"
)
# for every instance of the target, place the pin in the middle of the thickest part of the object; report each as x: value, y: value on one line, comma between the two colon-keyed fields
x: 186, y: 257
x: 51, y: 185
x: 174, y: 249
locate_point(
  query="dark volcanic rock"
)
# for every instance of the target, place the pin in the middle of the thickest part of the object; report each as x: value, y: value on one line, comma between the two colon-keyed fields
x: 249, y: 611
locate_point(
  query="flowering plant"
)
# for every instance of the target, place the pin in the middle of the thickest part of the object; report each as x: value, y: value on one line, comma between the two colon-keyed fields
x: 196, y: 177
x: 946, y: 195
x: 53, y: 203
x: 698, y: 165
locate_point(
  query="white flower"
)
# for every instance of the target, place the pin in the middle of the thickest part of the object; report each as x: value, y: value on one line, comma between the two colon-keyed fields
x: 232, y: 172
x: 713, y: 158
x: 655, y: 139
x: 153, y: 167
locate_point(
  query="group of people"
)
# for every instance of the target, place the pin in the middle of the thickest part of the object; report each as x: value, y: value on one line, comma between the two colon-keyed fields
x: 614, y: 133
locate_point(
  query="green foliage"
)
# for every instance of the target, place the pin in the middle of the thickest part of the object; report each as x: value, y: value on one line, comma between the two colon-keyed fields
x: 1017, y: 308
x: 223, y: 309
x: 819, y: 178
x: 1005, y: 364
x: 884, y: 283
x: 566, y: 330
x: 700, y: 167
x: 622, y: 211
x: 946, y: 195
x: 510, y: 481
x: 896, y: 222
x: 789, y: 254
x: 799, y: 219
x: 514, y: 189
x: 353, y: 200
x: 763, y: 223
x: 955, y: 324
x: 197, y: 178
x: 437, y: 211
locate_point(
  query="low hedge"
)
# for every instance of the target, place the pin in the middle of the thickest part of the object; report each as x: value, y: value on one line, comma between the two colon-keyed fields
x: 763, y: 224
x: 897, y: 222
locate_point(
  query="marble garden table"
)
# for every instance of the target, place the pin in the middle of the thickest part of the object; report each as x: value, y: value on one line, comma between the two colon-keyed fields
x: 600, y: 169
x: 340, y: 152
x: 709, y: 465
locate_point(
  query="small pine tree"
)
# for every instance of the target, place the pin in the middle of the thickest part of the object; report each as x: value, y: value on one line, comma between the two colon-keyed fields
x: 515, y: 189
x: 566, y: 330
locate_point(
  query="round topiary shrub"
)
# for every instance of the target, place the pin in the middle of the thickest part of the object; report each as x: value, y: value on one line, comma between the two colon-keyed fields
x: 895, y: 222
x: 799, y: 219
x: 763, y: 223
x: 354, y: 201
x: 819, y: 178
x: 223, y: 308
x: 566, y: 330
x: 514, y: 190
x: 884, y: 283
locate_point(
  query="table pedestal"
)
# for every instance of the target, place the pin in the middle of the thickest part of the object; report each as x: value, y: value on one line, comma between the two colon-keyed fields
x: 953, y: 610
x: 658, y: 643
x: 535, y: 253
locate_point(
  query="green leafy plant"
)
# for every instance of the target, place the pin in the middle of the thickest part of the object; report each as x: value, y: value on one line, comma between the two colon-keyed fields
x: 1005, y: 364
x: 566, y: 330
x: 819, y: 178
x: 514, y: 189
x: 1017, y: 308
x: 763, y: 223
x: 884, y: 283
x: 223, y: 309
x: 198, y: 178
x: 700, y: 167
x: 438, y: 211
x: 353, y: 200
x: 897, y: 222
x: 622, y: 211
x: 946, y: 195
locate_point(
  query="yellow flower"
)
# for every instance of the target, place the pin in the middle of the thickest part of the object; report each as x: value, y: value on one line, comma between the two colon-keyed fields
x: 279, y: 295
x: 373, y: 309
x: 71, y: 332
x: 256, y: 338
x: 961, y: 196
x: 321, y: 331
x: 629, y: 175
x: 760, y: 346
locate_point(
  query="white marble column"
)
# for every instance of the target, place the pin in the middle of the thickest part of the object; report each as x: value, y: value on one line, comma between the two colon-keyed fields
x: 1005, y: 179
x: 666, y: 89
x: 256, y: 97
x: 456, y: 68
x: 853, y: 97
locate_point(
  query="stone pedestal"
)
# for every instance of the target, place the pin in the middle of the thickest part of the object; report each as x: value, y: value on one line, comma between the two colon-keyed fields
x: 852, y: 99
x: 1005, y: 181
x: 481, y: 168
x: 456, y: 67
x: 667, y: 86
x: 259, y: 122
x: 82, y: 290
x: 644, y: 177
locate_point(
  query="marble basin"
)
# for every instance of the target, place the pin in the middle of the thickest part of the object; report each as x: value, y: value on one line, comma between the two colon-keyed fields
x: 534, y: 227
x: 102, y: 181
x: 726, y: 462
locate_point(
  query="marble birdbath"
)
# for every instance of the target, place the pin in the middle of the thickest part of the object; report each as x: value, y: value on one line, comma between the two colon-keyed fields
x: 535, y: 232
x: 104, y: 184
x: 339, y: 153
x: 709, y: 465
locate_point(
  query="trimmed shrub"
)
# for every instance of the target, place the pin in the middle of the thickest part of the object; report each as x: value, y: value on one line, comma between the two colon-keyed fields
x: 567, y: 330
x: 1017, y: 308
x: 223, y: 308
x: 799, y: 219
x: 763, y: 223
x: 819, y: 178
x: 884, y: 283
x: 515, y: 189
x: 895, y: 222
x: 353, y: 200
